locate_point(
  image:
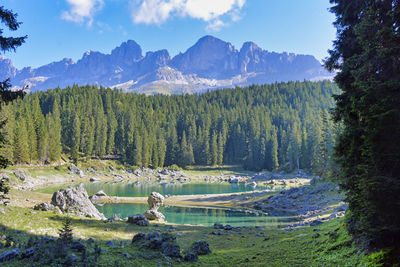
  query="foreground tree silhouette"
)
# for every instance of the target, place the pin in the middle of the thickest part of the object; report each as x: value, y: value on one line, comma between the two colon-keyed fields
x: 7, y: 44
x: 367, y: 57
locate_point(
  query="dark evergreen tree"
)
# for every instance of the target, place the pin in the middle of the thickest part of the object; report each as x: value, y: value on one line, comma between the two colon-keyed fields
x: 65, y: 233
x: 366, y: 55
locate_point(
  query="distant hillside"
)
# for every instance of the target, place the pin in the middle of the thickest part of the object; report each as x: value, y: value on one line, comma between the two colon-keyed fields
x: 210, y: 63
x: 277, y: 126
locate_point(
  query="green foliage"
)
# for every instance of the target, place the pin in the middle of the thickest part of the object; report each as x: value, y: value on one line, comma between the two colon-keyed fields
x: 366, y: 55
x: 6, y: 44
x: 259, y: 127
x: 65, y: 233
x: 173, y: 167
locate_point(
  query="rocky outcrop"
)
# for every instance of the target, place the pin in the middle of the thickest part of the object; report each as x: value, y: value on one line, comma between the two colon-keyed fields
x: 75, y: 200
x: 302, y: 201
x: 155, y: 201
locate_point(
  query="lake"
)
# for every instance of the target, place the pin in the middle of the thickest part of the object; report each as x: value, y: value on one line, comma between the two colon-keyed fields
x: 198, y: 215
x: 144, y: 189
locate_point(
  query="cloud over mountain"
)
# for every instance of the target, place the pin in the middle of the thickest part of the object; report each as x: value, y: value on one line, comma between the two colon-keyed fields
x: 210, y: 11
x: 82, y: 10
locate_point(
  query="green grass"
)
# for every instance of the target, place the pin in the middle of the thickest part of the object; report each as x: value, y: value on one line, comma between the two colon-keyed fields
x: 329, y: 247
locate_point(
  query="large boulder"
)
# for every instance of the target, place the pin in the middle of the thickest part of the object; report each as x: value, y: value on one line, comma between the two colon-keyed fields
x: 75, y: 200
x: 155, y: 201
x: 154, y: 215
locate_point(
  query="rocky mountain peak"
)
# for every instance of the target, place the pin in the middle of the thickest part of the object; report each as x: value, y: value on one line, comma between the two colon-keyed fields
x: 209, y: 63
x: 127, y: 53
x: 209, y: 57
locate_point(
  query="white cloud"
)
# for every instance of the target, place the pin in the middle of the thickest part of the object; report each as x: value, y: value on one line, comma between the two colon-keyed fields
x: 82, y: 10
x: 215, y: 25
x: 210, y: 11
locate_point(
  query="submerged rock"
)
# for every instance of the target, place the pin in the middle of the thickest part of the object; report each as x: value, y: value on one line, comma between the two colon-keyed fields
x: 75, y: 200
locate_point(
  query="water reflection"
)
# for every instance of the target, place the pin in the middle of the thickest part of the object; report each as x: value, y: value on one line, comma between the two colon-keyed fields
x: 144, y: 189
x: 200, y: 216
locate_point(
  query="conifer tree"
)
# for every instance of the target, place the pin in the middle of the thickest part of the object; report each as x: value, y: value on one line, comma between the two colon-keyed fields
x: 366, y: 55
x: 76, y: 135
x: 54, y: 132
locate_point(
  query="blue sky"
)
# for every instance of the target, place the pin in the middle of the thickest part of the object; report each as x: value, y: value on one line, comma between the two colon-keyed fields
x: 67, y: 28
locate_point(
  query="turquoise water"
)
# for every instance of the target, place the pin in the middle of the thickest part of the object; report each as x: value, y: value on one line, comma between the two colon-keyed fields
x: 144, y: 189
x: 198, y: 216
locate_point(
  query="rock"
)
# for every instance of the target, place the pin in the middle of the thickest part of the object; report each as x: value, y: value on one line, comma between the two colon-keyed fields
x: 78, y: 246
x: 228, y: 227
x: 138, y: 219
x: 172, y: 250
x: 20, y: 175
x: 191, y: 256
x: 218, y: 226
x: 138, y: 237
x: 28, y: 253
x: 341, y: 208
x: 154, y: 215
x: 201, y: 248
x: 9, y: 255
x: 233, y: 180
x: 45, y: 206
x: 74, y: 169
x: 110, y: 244
x: 4, y: 176
x: 75, y: 200
x: 155, y: 201
x: 2, y: 211
x: 101, y: 194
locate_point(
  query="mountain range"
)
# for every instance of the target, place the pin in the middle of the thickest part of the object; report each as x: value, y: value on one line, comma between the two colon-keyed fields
x: 209, y: 64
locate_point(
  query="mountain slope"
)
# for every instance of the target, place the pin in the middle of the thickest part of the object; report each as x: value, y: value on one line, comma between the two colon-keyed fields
x: 210, y: 63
